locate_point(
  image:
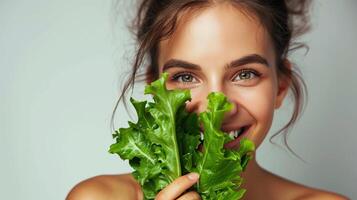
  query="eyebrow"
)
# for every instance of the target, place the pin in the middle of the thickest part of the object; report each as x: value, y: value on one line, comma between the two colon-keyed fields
x: 252, y: 58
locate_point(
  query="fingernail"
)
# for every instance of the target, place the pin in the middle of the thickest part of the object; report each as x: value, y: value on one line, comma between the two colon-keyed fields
x: 193, y: 176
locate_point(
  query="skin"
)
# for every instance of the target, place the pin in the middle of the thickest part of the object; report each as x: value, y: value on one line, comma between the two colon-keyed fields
x: 211, y: 40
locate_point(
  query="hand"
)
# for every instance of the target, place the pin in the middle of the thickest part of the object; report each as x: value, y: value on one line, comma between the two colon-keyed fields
x: 175, y: 189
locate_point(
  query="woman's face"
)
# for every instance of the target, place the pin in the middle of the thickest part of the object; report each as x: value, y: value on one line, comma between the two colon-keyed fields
x: 222, y: 49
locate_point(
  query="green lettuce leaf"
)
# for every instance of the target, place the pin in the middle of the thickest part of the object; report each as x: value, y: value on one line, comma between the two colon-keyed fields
x: 162, y: 145
x: 150, y: 145
x: 220, y: 168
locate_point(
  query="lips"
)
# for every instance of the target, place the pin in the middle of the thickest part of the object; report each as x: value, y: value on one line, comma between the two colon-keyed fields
x: 235, y: 135
x: 235, y: 142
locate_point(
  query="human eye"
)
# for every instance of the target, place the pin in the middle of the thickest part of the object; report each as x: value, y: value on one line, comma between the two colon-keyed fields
x: 184, y: 78
x: 246, y: 77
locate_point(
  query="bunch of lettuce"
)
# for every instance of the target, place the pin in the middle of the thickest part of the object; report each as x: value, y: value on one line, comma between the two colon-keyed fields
x: 162, y: 145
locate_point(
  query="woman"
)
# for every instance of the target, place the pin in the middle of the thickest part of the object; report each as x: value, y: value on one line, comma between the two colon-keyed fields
x: 238, y: 47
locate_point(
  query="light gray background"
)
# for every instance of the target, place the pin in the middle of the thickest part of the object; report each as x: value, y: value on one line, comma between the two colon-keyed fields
x: 60, y: 66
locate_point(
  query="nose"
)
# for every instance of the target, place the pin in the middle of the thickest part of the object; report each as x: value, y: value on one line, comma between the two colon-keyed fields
x: 199, y: 100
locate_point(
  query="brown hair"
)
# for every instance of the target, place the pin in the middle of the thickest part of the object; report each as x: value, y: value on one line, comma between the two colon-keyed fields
x: 285, y: 21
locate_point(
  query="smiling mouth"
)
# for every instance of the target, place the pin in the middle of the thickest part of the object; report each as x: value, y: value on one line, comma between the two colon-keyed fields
x: 235, y: 135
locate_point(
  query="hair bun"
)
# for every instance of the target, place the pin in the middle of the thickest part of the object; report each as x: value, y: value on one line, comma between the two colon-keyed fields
x: 299, y: 15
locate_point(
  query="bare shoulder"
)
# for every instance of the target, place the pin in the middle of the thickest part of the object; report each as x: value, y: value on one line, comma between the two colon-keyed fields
x: 297, y: 191
x: 106, y: 187
x: 317, y: 194
x: 304, y: 192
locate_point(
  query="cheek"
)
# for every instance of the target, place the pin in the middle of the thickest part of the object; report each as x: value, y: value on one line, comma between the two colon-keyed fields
x: 264, y: 99
x: 259, y: 103
x: 170, y: 86
x: 263, y: 107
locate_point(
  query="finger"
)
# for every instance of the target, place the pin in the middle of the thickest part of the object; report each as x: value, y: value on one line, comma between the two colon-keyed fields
x: 190, y: 196
x: 177, y: 187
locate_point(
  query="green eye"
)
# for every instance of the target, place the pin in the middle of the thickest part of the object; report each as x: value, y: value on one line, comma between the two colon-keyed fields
x: 246, y: 75
x: 185, y: 78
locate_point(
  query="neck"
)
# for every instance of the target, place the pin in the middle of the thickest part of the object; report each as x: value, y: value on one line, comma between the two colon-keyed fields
x: 255, y: 181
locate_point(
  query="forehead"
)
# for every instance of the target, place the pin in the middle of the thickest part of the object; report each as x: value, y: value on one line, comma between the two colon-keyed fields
x: 217, y: 35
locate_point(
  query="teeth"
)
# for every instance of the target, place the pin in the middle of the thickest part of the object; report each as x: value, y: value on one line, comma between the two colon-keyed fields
x: 232, y: 134
x: 236, y: 133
